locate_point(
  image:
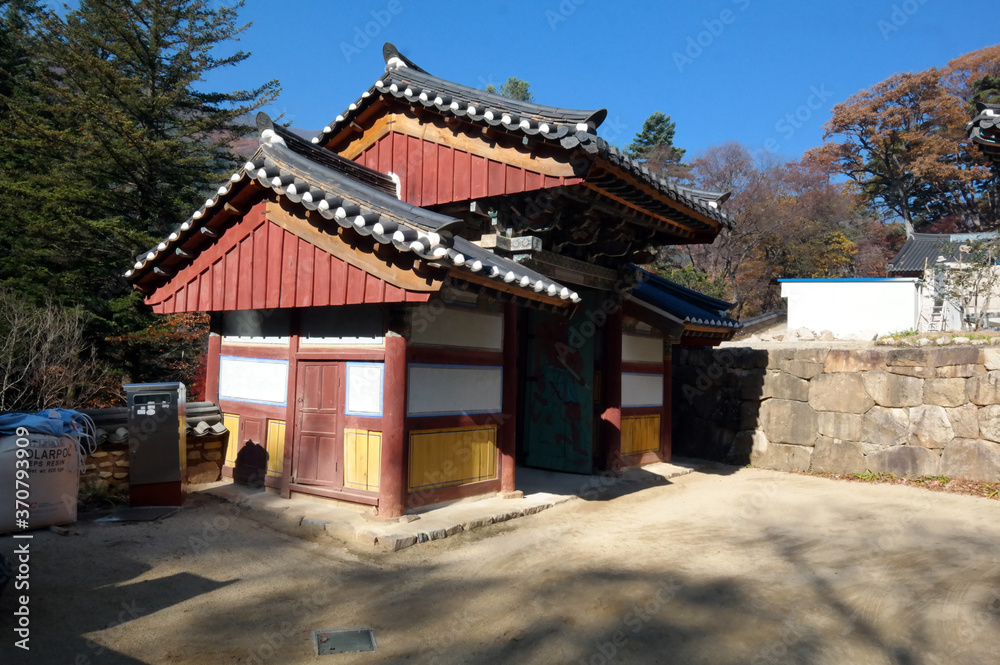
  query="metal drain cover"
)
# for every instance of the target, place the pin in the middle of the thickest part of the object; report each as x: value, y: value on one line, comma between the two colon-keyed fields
x: 341, y: 641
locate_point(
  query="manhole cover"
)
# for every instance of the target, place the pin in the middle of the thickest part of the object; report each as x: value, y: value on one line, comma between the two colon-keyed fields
x: 341, y: 641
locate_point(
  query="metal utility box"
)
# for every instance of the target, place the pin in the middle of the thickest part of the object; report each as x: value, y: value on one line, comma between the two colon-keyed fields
x: 157, y: 442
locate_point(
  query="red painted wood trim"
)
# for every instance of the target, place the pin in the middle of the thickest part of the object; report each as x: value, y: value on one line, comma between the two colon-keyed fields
x: 392, y: 476
x: 430, y: 497
x: 339, y: 353
x: 447, y: 356
x: 268, y: 352
x: 642, y: 368
x: 611, y: 418
x: 250, y: 410
x: 355, y: 496
x: 508, y: 430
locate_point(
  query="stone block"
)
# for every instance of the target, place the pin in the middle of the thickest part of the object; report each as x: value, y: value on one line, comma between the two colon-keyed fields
x: 845, y: 426
x: 956, y: 356
x: 985, y: 389
x: 120, y: 476
x: 215, y: 456
x: 122, y: 464
x: 917, y: 372
x: 960, y: 371
x: 787, y: 421
x: 945, y: 392
x: 975, y: 460
x: 905, y: 461
x: 803, y: 369
x: 886, y: 428
x: 893, y: 390
x: 105, y: 465
x: 783, y: 457
x: 396, y: 542
x: 930, y: 427
x: 836, y: 456
x: 206, y: 472
x: 847, y: 360
x: 909, y: 358
x: 194, y: 454
x: 749, y: 414
x: 782, y: 385
x: 99, y: 455
x: 777, y: 357
x: 752, y: 383
x: 965, y: 421
x: 991, y: 359
x: 212, y: 445
x: 841, y: 392
x: 812, y: 354
x: 742, y: 449
x: 989, y: 422
x: 105, y: 474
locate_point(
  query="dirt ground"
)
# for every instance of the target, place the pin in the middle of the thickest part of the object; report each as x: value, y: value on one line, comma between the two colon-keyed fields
x: 723, y: 567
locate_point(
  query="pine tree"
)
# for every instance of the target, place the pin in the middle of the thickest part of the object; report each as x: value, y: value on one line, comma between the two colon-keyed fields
x: 514, y: 88
x: 657, y: 133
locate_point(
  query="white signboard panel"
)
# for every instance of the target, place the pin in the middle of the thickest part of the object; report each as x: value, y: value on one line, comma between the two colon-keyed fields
x: 642, y: 349
x: 454, y: 389
x: 364, y: 389
x: 642, y: 390
x: 457, y: 327
x: 253, y: 380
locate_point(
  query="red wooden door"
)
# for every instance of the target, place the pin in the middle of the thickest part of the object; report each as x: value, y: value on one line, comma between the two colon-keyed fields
x: 318, y: 455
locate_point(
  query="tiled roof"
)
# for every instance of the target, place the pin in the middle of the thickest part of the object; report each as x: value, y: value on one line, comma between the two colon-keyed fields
x: 569, y: 128
x: 923, y: 249
x: 354, y: 197
x: 683, y: 304
x: 984, y: 129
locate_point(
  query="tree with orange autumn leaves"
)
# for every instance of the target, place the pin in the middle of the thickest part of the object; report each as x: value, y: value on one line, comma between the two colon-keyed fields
x: 902, y: 144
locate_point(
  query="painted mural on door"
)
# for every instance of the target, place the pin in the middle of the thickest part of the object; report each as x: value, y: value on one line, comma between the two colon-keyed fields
x: 559, y: 386
x: 318, y: 455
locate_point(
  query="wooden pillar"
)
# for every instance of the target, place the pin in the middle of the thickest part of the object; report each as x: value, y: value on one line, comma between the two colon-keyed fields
x: 612, y: 417
x: 508, y: 428
x: 292, y: 402
x: 213, y: 358
x: 666, y: 415
x: 392, y: 477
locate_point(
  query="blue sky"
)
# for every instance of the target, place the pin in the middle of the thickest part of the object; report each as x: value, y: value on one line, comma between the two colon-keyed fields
x: 762, y: 73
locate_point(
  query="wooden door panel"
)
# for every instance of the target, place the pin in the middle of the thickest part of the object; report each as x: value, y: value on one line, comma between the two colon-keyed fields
x: 317, y: 458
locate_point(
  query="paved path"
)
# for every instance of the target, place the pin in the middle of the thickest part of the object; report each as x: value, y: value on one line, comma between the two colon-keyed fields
x: 724, y: 567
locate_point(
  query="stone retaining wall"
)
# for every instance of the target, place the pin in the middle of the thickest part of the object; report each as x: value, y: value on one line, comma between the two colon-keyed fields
x: 109, y: 466
x: 910, y: 411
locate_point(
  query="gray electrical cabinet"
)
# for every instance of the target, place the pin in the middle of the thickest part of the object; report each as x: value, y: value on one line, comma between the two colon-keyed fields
x: 157, y: 435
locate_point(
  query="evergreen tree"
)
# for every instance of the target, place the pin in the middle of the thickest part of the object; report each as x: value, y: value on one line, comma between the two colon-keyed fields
x: 110, y: 144
x: 514, y: 88
x: 657, y: 135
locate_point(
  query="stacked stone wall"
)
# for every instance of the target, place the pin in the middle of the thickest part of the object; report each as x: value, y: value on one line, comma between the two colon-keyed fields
x: 908, y: 411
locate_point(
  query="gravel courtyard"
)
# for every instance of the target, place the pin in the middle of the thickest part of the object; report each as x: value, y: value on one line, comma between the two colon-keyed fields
x: 722, y: 566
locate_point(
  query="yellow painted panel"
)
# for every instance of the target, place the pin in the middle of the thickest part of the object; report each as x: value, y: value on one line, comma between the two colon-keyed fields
x: 232, y: 424
x: 362, y: 459
x: 275, y: 447
x: 640, y: 434
x: 453, y: 456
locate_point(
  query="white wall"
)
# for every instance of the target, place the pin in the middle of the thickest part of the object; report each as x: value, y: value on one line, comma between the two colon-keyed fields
x: 850, y: 306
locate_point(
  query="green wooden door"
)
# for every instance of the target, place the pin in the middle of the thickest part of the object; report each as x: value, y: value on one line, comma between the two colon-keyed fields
x: 559, y: 385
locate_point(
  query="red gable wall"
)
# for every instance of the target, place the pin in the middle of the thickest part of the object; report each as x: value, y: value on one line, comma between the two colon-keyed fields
x: 432, y: 174
x: 258, y: 265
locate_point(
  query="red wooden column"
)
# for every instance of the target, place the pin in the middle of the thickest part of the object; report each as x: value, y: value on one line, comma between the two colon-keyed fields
x: 212, y: 359
x: 666, y: 415
x: 291, y: 402
x: 508, y: 428
x: 612, y: 416
x: 392, y: 477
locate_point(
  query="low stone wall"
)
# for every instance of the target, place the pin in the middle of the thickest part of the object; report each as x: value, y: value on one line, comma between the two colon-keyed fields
x: 910, y: 411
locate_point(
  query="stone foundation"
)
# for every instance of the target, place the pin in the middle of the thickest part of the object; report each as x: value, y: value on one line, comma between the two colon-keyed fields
x: 908, y: 411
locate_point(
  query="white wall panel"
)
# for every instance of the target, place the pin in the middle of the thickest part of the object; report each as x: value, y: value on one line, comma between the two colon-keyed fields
x: 642, y: 390
x: 457, y: 327
x: 253, y: 380
x: 453, y: 389
x: 364, y: 389
x: 642, y: 349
